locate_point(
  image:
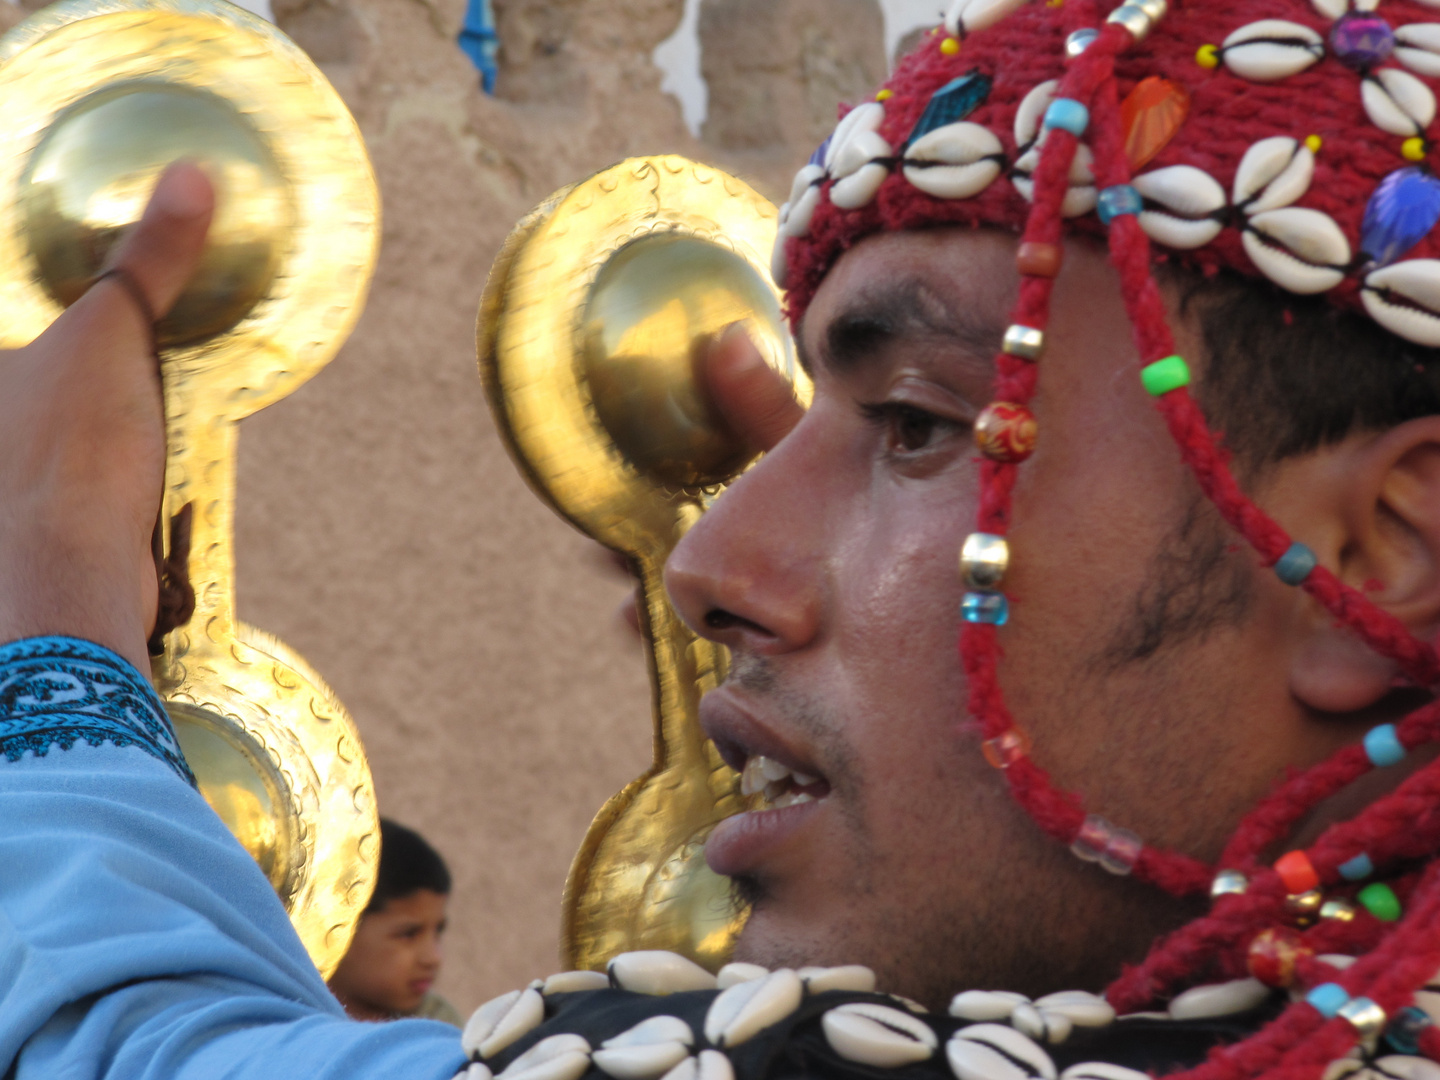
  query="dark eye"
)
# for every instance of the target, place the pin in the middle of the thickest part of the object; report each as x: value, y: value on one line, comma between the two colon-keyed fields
x: 907, y: 429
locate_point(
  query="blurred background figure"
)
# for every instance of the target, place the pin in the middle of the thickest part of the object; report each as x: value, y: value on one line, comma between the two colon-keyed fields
x: 395, y: 957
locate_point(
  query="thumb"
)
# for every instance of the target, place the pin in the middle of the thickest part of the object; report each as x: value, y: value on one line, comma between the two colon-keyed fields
x: 756, y: 401
x: 162, y: 250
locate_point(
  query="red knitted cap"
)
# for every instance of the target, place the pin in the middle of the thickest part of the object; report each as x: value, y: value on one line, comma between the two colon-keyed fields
x: 1320, y: 107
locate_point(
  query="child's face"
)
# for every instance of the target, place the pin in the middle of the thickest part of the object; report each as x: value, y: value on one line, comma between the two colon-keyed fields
x: 394, y: 958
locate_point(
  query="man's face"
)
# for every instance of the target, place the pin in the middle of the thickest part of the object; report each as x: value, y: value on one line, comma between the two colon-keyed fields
x: 393, y: 961
x: 1144, y: 654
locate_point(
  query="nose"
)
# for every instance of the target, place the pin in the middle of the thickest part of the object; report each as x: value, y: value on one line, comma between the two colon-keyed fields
x: 750, y: 573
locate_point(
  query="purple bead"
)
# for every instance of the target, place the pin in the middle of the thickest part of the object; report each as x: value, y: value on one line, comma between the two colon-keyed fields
x: 1362, y: 40
x: 818, y: 157
x: 1401, y: 213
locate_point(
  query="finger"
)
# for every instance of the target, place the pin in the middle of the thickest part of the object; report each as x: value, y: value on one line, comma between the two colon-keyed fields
x: 163, y: 249
x: 755, y: 400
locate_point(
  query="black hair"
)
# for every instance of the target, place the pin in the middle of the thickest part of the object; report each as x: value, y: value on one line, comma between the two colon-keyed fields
x: 407, y: 864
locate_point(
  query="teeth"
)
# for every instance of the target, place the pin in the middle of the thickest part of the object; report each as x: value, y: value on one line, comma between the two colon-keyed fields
x: 804, y: 779
x: 752, y: 777
x: 771, y: 769
x: 791, y: 798
x: 777, y: 784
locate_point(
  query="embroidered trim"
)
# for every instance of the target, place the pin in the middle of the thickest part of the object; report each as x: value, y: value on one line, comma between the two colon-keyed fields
x: 57, y: 691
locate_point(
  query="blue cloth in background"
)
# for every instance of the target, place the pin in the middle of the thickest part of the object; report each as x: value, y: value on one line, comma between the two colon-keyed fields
x: 479, y: 41
x: 138, y: 939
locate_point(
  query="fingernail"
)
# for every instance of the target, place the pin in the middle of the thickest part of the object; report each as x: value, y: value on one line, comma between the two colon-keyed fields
x: 183, y: 191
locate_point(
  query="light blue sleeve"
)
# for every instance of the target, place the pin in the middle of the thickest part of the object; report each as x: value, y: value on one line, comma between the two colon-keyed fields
x: 137, y: 938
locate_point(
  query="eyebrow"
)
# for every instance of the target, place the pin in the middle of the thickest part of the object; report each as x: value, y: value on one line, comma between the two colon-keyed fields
x: 895, y: 310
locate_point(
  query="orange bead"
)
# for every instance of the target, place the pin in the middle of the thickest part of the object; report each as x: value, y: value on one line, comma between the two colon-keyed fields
x: 1297, y: 873
x: 1005, y: 432
x: 1150, y: 116
x: 1039, y: 259
x: 1004, y: 750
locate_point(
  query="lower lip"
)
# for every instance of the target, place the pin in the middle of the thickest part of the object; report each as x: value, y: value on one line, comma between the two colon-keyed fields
x: 740, y: 844
x: 422, y: 987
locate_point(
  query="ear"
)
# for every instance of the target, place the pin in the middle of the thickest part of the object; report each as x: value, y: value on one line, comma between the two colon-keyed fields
x: 1373, y: 507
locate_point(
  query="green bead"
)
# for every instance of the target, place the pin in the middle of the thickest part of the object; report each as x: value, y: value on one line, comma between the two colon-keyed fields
x: 1165, y: 375
x: 1380, y: 900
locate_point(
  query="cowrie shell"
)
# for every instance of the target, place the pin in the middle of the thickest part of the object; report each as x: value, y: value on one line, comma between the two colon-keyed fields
x: 736, y: 973
x: 866, y: 117
x: 1336, y: 960
x: 475, y: 1071
x: 858, y: 152
x: 1082, y: 194
x: 1407, y: 1067
x: 981, y: 1005
x: 570, y: 982
x: 853, y: 977
x: 751, y: 1007
x: 779, y: 266
x: 1348, y: 1065
x: 1032, y: 111
x: 1417, y: 283
x: 1417, y: 46
x: 802, y: 212
x: 961, y: 160
x: 1081, y: 1008
x: 1301, y: 250
x: 1102, y: 1070
x: 996, y: 1052
x: 653, y: 971
x: 806, y: 178
x: 707, y: 1065
x: 502, y: 1020
x: 1397, y: 102
x: 560, y: 1057
x: 1219, y: 999
x: 1271, y: 49
x: 648, y: 1050
x: 1027, y: 1020
x: 968, y: 16
x: 878, y: 1035
x: 858, y: 189
x: 1187, y: 197
x: 1273, y: 173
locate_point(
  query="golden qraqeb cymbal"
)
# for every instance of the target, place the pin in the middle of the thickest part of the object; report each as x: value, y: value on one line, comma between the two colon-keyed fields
x: 99, y: 96
x: 597, y: 312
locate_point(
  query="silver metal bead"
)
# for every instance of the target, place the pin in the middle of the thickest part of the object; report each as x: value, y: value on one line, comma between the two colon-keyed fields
x: 1026, y: 342
x: 1340, y: 910
x: 1365, y: 1016
x: 1155, y: 9
x: 1229, y: 883
x: 1080, y: 40
x: 984, y: 558
x: 1133, y: 18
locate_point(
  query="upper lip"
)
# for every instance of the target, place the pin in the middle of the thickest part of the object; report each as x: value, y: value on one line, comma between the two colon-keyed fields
x: 740, y: 735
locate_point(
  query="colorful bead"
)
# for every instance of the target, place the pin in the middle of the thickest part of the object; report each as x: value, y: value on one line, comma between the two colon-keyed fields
x: 1039, y: 259
x: 1115, y: 849
x: 1414, y: 148
x: 1026, y: 342
x: 1367, y: 1018
x: 1406, y: 1028
x: 885, y: 95
x: 1208, y: 57
x: 984, y: 558
x: 1296, y: 872
x: 1273, y: 954
x: 1295, y: 565
x: 1337, y: 910
x: 1080, y: 40
x: 1304, y: 908
x: 1402, y: 211
x: 1229, y: 883
x: 1383, y: 746
x: 1150, y: 116
x: 1380, y: 900
x: 952, y: 103
x: 985, y: 608
x: 1067, y: 114
x: 950, y: 46
x: 1004, y: 750
x: 1358, y: 868
x: 1165, y: 375
x: 1313, y: 143
x: 1328, y: 999
x: 1118, y: 201
x: 1361, y: 40
x: 1006, y: 432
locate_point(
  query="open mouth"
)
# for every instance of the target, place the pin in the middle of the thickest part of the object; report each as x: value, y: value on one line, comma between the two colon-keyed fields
x: 778, y: 785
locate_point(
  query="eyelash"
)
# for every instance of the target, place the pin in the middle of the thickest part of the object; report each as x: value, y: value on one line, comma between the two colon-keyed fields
x: 889, y: 415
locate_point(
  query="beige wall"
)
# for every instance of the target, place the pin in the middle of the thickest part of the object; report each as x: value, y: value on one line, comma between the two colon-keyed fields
x: 382, y: 529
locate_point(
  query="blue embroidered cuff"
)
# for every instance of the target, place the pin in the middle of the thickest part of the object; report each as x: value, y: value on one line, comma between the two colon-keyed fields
x: 57, y: 691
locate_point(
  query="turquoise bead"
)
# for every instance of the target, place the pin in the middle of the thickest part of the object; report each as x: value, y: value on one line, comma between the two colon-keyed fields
x: 1069, y: 115
x: 1380, y: 900
x: 1358, y: 868
x: 1406, y: 1028
x: 1117, y: 201
x: 1383, y: 746
x: 1328, y: 999
x: 988, y: 608
x: 1295, y: 565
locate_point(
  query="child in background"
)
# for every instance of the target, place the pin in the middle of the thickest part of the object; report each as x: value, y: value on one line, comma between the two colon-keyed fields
x: 395, y: 956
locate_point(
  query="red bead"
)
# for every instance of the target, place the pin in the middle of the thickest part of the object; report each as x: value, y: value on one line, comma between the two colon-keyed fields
x: 1037, y: 259
x: 1297, y: 873
x: 1150, y: 116
x: 1006, y: 432
x: 1006, y: 749
x: 1273, y: 955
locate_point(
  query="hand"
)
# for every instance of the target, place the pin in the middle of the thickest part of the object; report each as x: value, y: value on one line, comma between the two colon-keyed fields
x: 82, y: 442
x: 754, y: 399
